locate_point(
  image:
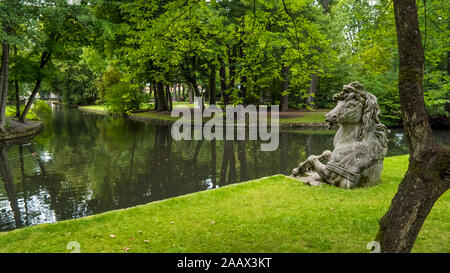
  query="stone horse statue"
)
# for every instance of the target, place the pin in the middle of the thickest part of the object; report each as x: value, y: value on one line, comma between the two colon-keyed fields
x: 360, y: 143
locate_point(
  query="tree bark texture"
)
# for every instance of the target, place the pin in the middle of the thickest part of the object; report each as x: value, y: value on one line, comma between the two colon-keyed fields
x: 428, y: 175
x: 285, y: 98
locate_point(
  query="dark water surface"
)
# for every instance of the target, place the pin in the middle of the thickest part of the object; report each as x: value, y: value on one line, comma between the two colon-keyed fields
x: 84, y: 164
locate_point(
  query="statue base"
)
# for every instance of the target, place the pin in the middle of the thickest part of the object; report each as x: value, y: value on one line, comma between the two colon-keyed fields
x: 310, y: 178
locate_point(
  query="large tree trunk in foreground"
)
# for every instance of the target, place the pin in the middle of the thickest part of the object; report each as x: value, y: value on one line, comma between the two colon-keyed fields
x: 4, y: 85
x: 428, y: 175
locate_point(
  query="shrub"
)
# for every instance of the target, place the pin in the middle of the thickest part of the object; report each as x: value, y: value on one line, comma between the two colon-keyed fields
x: 42, y: 109
x: 112, y: 76
x: 122, y: 98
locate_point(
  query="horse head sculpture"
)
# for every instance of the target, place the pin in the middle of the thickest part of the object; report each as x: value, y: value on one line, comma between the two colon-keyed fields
x: 360, y: 143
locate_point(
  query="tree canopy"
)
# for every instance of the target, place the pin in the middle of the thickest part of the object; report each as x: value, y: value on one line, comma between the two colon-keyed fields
x: 295, y: 53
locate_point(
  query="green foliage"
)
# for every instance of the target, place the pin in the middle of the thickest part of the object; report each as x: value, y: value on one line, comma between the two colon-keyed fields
x: 73, y: 81
x: 11, y: 112
x: 39, y: 111
x: 42, y: 110
x: 47, y: 38
x: 368, y: 54
x: 437, y: 92
x: 119, y: 95
x: 111, y: 77
x: 247, y: 42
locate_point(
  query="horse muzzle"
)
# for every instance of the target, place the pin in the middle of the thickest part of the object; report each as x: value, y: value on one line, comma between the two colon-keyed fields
x: 331, y: 120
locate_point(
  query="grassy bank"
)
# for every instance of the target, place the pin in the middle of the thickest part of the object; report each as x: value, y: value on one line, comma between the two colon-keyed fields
x: 274, y: 214
x: 11, y: 112
x: 305, y: 119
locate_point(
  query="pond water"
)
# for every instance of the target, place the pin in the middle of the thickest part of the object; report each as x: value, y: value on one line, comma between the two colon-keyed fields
x: 84, y: 164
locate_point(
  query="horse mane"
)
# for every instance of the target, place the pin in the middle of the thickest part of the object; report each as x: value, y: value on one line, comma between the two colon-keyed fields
x: 370, y: 118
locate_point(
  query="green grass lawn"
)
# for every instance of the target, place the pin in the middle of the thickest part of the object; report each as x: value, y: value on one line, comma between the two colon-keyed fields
x: 11, y: 112
x: 156, y: 115
x: 184, y: 104
x: 101, y: 108
x: 306, y: 117
x: 274, y: 214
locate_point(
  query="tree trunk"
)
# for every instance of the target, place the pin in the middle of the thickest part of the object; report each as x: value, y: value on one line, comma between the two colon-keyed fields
x: 232, y: 67
x: 16, y: 86
x: 45, y: 58
x: 36, y: 88
x: 428, y: 175
x: 212, y: 85
x: 243, y: 92
x: 196, y: 90
x: 155, y: 98
x: 223, y: 82
x: 163, y: 98
x: 312, y: 90
x: 190, y: 94
x: 243, y: 85
x: 169, y: 98
x: 285, y: 98
x: 174, y: 94
x: 4, y: 85
x: 325, y: 6
x: 314, y: 79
